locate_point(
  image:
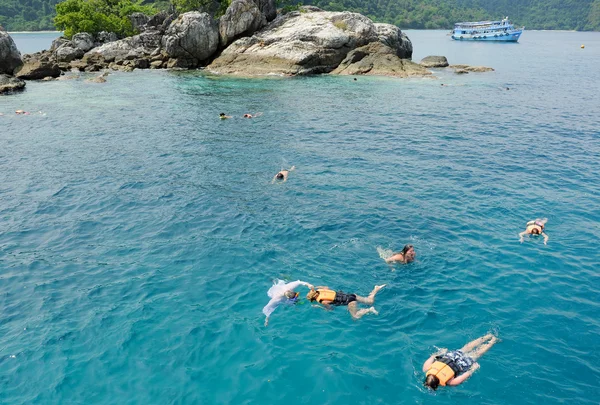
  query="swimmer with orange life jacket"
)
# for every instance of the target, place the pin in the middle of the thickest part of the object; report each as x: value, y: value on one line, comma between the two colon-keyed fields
x: 328, y: 298
x: 535, y: 228
x: 454, y: 367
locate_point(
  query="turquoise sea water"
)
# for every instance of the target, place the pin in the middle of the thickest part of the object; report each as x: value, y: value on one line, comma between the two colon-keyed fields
x: 139, y: 233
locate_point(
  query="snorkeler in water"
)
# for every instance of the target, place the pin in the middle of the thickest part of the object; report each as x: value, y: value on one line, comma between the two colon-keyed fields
x: 258, y: 114
x: 280, y: 293
x: 224, y: 117
x: 283, y: 175
x: 329, y: 298
x: 454, y: 367
x: 535, y: 228
x: 406, y: 256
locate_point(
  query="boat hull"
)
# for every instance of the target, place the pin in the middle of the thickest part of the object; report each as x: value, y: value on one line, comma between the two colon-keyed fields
x: 499, y: 37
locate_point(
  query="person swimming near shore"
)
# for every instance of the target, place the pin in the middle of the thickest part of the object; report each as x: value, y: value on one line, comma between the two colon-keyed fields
x: 328, y: 298
x: 280, y: 293
x: 224, y: 117
x: 258, y: 114
x: 283, y: 175
x: 535, y: 228
x: 407, y: 255
x: 454, y: 367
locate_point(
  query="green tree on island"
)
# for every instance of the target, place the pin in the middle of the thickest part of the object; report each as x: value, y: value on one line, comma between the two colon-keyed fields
x: 439, y: 14
x: 93, y: 16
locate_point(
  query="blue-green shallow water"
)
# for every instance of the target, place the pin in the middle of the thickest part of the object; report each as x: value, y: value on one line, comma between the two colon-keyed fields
x: 139, y: 234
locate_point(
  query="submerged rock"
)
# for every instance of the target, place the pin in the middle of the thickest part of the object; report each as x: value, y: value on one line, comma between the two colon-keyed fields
x: 10, y: 57
x: 99, y: 79
x: 379, y: 59
x: 468, y: 68
x: 193, y: 37
x: 297, y: 43
x: 434, y: 61
x: 9, y: 84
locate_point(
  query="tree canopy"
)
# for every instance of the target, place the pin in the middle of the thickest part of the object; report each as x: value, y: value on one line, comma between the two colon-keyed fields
x: 93, y: 16
x: 441, y: 14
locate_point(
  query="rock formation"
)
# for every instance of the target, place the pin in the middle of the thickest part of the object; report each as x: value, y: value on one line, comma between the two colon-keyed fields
x: 10, y: 57
x: 379, y: 59
x: 268, y: 8
x: 9, y: 84
x: 393, y: 37
x: 434, y: 62
x: 468, y: 68
x: 37, y: 66
x: 191, y: 39
x: 297, y: 43
x: 242, y: 18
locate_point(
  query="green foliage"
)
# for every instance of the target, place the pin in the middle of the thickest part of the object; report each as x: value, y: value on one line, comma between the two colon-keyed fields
x: 93, y: 16
x: 215, y: 7
x: 593, y: 22
x: 27, y: 15
x: 419, y: 14
x: 442, y: 14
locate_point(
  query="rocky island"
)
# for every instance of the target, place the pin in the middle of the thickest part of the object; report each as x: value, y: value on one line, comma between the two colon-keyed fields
x: 250, y: 39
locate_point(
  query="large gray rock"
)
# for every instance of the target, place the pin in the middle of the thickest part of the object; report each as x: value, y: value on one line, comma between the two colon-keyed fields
x: 393, y: 37
x: 268, y: 8
x: 38, y: 66
x: 104, y: 37
x: 67, y: 53
x: 83, y: 41
x: 297, y: 43
x: 139, y: 21
x: 379, y: 59
x: 434, y: 61
x: 10, y: 57
x: 135, y: 47
x: 58, y: 42
x: 157, y: 20
x: 193, y: 37
x: 242, y: 18
x: 9, y: 84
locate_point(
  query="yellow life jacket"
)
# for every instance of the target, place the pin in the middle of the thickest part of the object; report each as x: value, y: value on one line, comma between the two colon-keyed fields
x: 442, y: 371
x: 325, y: 295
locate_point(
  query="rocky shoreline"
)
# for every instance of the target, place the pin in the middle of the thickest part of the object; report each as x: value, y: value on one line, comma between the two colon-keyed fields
x: 250, y: 39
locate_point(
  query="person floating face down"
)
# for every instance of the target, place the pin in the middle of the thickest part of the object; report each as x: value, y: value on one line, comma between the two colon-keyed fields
x: 280, y: 293
x: 283, y: 175
x: 327, y: 298
x: 535, y: 228
x: 454, y: 367
x: 224, y: 117
x: 406, y: 256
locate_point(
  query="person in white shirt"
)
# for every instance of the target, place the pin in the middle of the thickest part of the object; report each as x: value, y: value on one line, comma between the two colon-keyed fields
x: 281, y: 292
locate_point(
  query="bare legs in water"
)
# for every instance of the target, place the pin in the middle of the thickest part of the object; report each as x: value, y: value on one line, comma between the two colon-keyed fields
x: 478, y: 347
x: 370, y: 300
